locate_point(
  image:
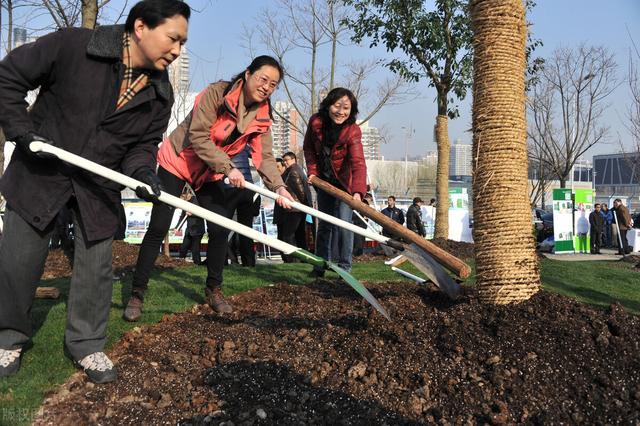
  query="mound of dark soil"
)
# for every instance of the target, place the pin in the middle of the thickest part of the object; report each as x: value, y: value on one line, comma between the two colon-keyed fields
x: 461, y: 250
x: 58, y: 264
x: 318, y: 354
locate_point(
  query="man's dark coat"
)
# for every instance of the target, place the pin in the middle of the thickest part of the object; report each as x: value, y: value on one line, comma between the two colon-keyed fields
x: 79, y: 72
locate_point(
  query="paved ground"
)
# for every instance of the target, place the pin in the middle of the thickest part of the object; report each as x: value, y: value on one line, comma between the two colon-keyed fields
x: 607, y: 254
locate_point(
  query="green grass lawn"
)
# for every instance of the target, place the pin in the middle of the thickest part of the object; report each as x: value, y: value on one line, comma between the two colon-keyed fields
x: 44, y: 365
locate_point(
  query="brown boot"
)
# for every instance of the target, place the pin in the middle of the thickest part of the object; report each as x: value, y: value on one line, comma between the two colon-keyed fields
x: 215, y: 299
x: 133, y: 310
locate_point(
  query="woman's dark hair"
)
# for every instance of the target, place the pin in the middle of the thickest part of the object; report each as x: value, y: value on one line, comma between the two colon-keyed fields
x: 154, y: 12
x: 255, y: 65
x: 331, y: 98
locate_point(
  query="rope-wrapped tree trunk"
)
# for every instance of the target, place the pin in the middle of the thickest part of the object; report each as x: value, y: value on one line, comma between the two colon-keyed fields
x: 507, y: 266
x: 442, y: 178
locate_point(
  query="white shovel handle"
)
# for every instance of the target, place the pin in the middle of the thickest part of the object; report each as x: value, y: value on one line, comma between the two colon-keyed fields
x: 164, y: 197
x: 317, y: 213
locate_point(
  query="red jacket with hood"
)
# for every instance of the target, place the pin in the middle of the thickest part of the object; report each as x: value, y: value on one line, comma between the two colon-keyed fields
x: 347, y: 155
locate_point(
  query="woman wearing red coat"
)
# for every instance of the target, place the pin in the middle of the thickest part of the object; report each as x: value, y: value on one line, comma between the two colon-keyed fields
x: 333, y: 152
x: 230, y: 124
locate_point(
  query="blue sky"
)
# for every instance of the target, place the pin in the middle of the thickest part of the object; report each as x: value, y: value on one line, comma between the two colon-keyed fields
x: 215, y: 39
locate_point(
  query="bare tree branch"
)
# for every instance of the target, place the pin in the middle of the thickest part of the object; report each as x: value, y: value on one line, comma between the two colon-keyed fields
x: 567, y: 104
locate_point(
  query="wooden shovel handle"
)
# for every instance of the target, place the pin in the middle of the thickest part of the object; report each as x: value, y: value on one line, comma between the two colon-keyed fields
x: 447, y: 260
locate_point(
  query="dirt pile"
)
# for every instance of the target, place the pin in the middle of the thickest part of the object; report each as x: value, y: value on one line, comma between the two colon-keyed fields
x: 319, y: 354
x: 461, y: 250
x: 58, y: 264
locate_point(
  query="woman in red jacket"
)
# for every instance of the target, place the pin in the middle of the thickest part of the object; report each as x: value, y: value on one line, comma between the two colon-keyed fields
x: 333, y: 152
x: 229, y: 125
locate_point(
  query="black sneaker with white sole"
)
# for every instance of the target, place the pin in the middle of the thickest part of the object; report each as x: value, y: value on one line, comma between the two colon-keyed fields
x: 9, y: 362
x: 98, y: 367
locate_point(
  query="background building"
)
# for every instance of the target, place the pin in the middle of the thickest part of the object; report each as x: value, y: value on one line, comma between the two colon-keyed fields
x: 460, y: 159
x: 431, y: 158
x: 285, y: 135
x: 371, y: 140
x: 618, y: 176
x: 179, y: 73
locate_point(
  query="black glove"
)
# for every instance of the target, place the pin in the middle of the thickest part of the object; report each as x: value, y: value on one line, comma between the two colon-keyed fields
x: 148, y: 176
x: 23, y: 141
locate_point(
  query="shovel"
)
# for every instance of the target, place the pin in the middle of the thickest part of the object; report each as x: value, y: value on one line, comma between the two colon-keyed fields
x: 447, y: 260
x: 210, y: 216
x: 415, y: 254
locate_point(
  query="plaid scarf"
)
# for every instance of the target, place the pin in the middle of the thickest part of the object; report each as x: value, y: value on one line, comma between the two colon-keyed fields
x: 130, y: 87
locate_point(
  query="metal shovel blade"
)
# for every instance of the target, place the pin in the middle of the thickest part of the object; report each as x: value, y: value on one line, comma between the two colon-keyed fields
x: 357, y: 286
x: 311, y: 258
x: 432, y: 269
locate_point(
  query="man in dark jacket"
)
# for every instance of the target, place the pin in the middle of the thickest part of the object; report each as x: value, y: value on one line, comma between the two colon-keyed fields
x: 393, y: 213
x: 596, y: 226
x: 414, y: 217
x: 104, y: 95
x: 291, y: 160
x: 624, y: 222
x: 288, y: 222
x: 192, y: 236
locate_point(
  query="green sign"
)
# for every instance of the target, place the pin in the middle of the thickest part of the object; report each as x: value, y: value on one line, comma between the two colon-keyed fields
x: 583, y: 201
x: 563, y: 220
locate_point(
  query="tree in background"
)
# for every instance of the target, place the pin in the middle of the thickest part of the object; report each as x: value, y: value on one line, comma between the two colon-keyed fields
x: 566, y: 106
x: 506, y: 262
x: 633, y: 110
x: 316, y: 29
x: 437, y: 44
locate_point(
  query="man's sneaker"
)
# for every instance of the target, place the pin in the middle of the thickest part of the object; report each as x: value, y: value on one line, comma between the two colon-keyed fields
x: 9, y: 361
x: 215, y: 299
x: 98, y: 368
x: 133, y: 311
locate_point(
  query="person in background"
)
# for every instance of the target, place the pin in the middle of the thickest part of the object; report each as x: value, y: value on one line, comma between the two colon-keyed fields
x: 359, y: 240
x: 193, y: 233
x: 291, y: 160
x: 625, y: 223
x: 229, y: 126
x: 608, y: 218
x: 596, y: 227
x: 414, y: 217
x: 245, y: 215
x: 432, y: 202
x: 393, y: 213
x: 333, y: 152
x: 288, y: 221
x: 104, y: 95
x: 62, y: 236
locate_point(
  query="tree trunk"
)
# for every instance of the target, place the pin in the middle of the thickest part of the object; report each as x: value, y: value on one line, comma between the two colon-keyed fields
x: 442, y: 178
x: 507, y: 266
x: 9, y: 25
x: 89, y: 13
x: 563, y: 183
x: 3, y: 140
x: 1, y: 1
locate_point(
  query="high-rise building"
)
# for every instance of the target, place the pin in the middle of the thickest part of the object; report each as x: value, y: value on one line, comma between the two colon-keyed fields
x: 179, y: 74
x: 371, y: 140
x: 19, y: 37
x: 285, y: 135
x: 430, y: 158
x: 460, y: 159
